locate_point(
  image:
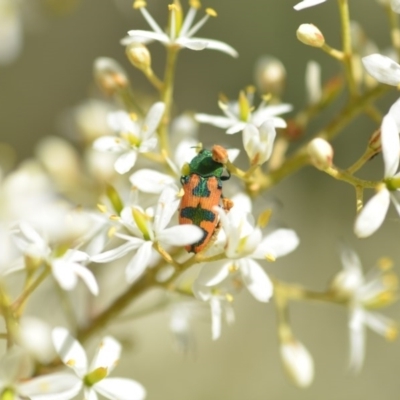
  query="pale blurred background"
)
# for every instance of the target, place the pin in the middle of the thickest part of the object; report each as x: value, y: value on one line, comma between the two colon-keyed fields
x: 54, y: 73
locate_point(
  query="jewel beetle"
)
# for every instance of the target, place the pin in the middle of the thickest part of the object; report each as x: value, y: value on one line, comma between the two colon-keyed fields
x: 202, y: 187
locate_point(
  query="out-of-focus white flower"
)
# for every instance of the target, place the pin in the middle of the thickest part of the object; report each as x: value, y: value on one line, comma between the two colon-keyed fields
x: 15, y: 382
x: 298, y: 362
x: 94, y: 378
x: 377, y: 289
x: 243, y: 244
x: 180, y: 34
x: 220, y: 299
x: 133, y: 138
x: 372, y: 215
x: 147, y: 231
x: 35, y: 336
x: 395, y: 4
x: 270, y: 75
x: 10, y: 31
x: 383, y: 69
x: 66, y: 268
x: 307, y: 3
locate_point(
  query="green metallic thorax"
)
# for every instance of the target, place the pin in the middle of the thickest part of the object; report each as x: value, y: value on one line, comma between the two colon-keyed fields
x: 205, y: 166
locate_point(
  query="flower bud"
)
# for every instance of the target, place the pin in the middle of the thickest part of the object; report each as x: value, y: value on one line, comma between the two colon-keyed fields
x: 219, y: 154
x: 109, y: 75
x: 298, y: 362
x: 321, y: 153
x: 139, y: 56
x: 310, y: 35
x: 270, y: 75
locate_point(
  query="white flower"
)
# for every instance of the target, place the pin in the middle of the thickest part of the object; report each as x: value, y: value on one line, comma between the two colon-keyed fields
x: 244, y: 243
x: 133, y: 137
x: 307, y: 3
x: 375, y: 290
x: 150, y: 230
x: 383, y: 69
x: 66, y: 268
x: 220, y: 299
x: 178, y: 35
x: 313, y: 82
x: 15, y: 369
x: 372, y: 215
x: 298, y: 362
x: 94, y: 378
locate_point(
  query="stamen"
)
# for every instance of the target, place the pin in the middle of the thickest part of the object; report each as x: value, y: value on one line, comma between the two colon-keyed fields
x: 211, y: 12
x: 385, y: 263
x: 102, y: 208
x: 391, y: 333
x: 111, y: 231
x: 188, y: 21
x: 139, y: 4
x: 196, y: 4
x: 229, y: 298
x: 150, y: 20
x: 270, y: 257
x: 263, y: 218
x: 199, y: 24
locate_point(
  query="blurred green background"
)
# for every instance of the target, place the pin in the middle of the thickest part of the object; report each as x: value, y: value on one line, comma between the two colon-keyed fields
x: 54, y: 73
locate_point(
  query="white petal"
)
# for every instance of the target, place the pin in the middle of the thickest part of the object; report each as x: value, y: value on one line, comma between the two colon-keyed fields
x: 150, y: 181
x: 88, y: 278
x: 118, y: 252
x: 394, y: 112
x: 139, y: 262
x: 15, y: 365
x: 216, y: 314
x: 233, y: 154
x: 350, y: 259
x: 213, y: 273
x: 180, y: 235
x: 357, y: 339
x: 125, y: 162
x: 58, y: 386
x: 192, y: 44
x: 140, y: 34
x: 153, y: 119
x: 64, y: 274
x: 372, y: 215
x: 236, y: 127
x: 395, y: 201
x: 382, y: 68
x: 107, y: 355
x: 216, y: 120
x: 278, y: 244
x: 109, y: 143
x: 167, y: 205
x: 298, y: 363
x: 256, y: 280
x: 390, y: 145
x: 70, y: 351
x: 313, y: 82
x: 121, y: 389
x: 219, y: 46
x: 148, y: 145
x: 90, y: 394
x: 307, y: 3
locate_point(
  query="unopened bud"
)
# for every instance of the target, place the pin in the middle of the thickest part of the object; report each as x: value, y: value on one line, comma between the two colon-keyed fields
x: 270, y: 75
x: 310, y: 35
x: 139, y: 56
x: 374, y: 142
x: 321, y: 153
x: 298, y: 362
x: 109, y: 75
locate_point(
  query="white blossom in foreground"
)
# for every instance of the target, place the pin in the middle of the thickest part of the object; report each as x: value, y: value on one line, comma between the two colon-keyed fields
x: 375, y: 290
x: 94, y: 379
x: 243, y: 244
x: 133, y: 137
x: 15, y: 369
x: 373, y: 214
x: 298, y: 362
x: 147, y: 230
x: 307, y: 3
x: 383, y: 69
x: 66, y: 268
x: 180, y: 34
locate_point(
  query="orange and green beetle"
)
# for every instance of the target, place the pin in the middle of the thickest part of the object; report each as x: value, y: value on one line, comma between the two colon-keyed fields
x: 202, y: 188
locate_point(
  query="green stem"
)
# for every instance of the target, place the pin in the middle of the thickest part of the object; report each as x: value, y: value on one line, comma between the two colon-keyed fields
x: 394, y: 29
x: 347, y: 48
x: 342, y: 175
x: 167, y: 96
